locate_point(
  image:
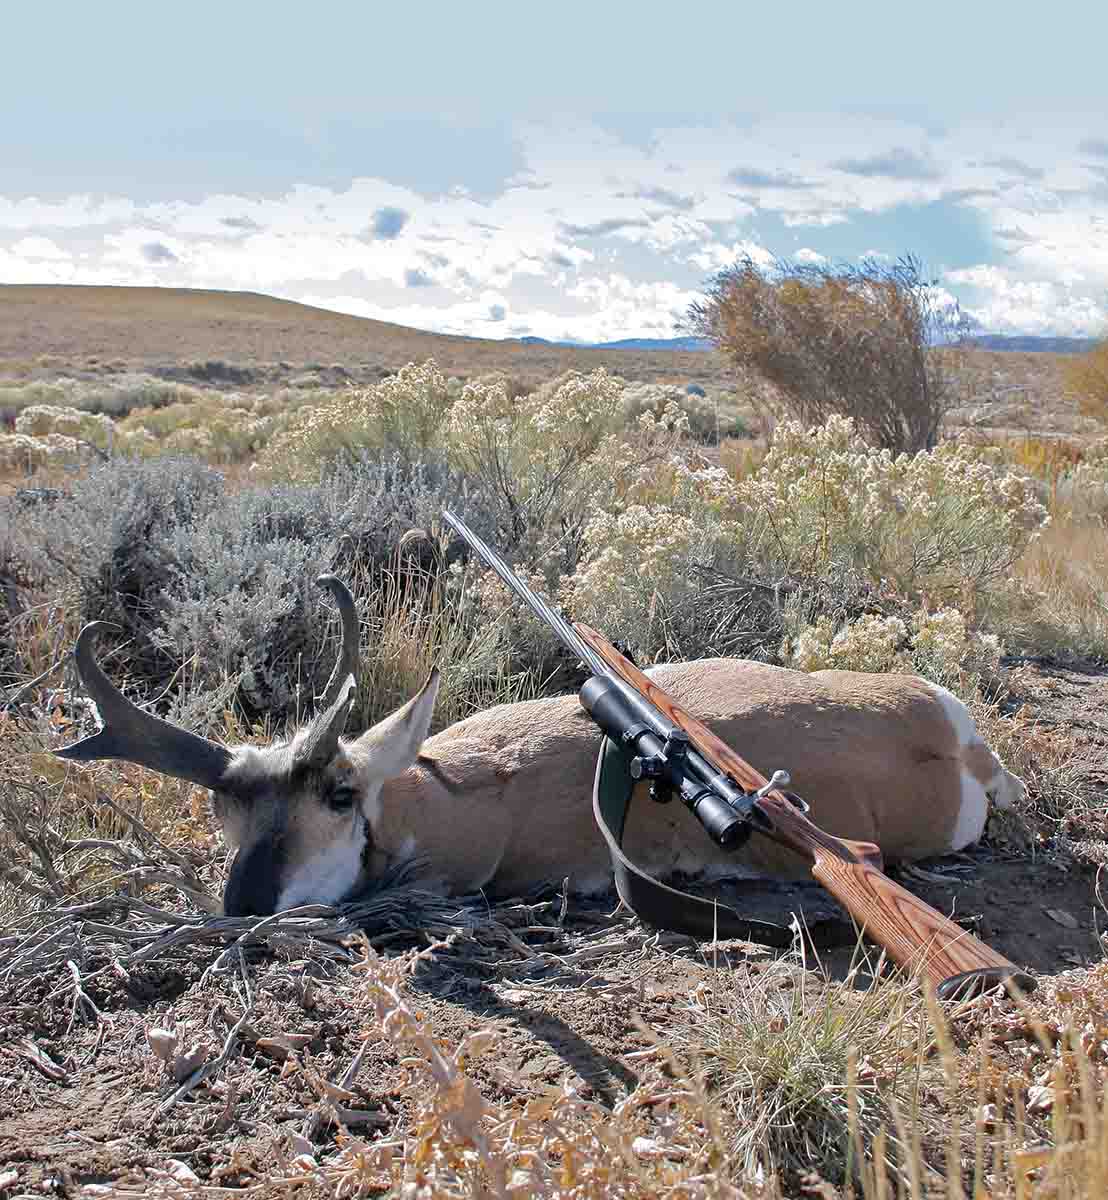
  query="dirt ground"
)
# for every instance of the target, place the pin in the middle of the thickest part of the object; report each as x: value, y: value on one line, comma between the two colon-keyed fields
x: 85, y: 1100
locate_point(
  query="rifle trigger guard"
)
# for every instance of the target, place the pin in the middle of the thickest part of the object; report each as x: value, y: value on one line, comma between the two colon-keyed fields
x: 798, y: 802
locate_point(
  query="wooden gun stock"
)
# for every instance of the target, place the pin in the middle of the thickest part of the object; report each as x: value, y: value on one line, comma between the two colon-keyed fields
x: 914, y: 934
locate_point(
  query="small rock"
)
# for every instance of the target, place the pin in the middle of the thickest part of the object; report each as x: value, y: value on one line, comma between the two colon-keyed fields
x: 282, y: 1046
x: 1062, y: 917
x: 986, y: 1116
x: 162, y: 1042
x: 184, y: 1064
x: 646, y: 1147
x: 299, y: 1144
x: 181, y: 1171
x: 1040, y: 1099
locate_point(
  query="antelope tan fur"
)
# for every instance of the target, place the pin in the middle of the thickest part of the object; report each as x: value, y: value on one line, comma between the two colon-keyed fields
x: 503, y: 799
x: 915, y: 935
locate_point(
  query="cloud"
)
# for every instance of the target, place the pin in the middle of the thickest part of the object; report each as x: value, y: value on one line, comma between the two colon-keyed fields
x: 821, y: 220
x: 963, y: 195
x: 245, y: 224
x: 898, y: 163
x: 806, y: 255
x: 1002, y: 302
x: 1014, y: 167
x: 388, y: 222
x: 664, y: 197
x: 752, y: 177
x: 497, y: 312
x: 603, y: 228
x: 40, y: 248
x: 158, y: 252
x: 599, y: 236
x: 1014, y: 234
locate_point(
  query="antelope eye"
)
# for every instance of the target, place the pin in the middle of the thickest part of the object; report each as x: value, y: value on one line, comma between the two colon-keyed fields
x: 342, y: 799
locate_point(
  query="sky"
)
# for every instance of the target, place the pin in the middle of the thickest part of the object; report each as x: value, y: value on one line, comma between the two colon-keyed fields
x: 576, y: 171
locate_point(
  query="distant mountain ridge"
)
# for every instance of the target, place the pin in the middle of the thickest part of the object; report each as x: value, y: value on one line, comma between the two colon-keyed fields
x: 1035, y: 344
x: 675, y: 343
x: 1044, y: 344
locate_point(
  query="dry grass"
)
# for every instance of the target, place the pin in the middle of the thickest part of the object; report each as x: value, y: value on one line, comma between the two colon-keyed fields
x: 408, y: 627
x: 1065, y: 569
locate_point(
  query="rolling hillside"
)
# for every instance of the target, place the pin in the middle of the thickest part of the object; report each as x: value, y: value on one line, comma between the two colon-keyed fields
x: 47, y: 328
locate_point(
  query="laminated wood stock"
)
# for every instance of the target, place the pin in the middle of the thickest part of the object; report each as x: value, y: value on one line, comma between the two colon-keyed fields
x: 916, y: 936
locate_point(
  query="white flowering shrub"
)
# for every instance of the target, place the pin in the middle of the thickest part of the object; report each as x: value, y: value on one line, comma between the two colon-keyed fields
x: 401, y: 414
x: 219, y: 428
x: 938, y: 645
x: 1091, y: 474
x: 543, y: 459
x: 39, y: 419
x: 944, y: 647
x: 20, y: 452
x: 942, y: 522
x: 869, y: 643
x: 485, y: 601
x: 636, y: 572
x: 708, y: 420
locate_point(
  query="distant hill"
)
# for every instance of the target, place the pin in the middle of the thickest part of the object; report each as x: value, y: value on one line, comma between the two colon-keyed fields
x: 1039, y: 345
x: 242, y: 338
x: 245, y: 340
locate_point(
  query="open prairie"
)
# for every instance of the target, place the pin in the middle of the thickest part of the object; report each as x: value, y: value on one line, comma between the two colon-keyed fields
x: 183, y: 466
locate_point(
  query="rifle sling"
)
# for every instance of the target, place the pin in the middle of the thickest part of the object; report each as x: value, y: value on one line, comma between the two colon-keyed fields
x: 665, y: 907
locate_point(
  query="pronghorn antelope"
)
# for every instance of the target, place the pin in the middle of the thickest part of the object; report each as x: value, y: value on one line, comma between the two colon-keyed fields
x: 502, y: 800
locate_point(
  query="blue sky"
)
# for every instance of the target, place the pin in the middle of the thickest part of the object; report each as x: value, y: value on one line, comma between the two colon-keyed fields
x: 575, y: 173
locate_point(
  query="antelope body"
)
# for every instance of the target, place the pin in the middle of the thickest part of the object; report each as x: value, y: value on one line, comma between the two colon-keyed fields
x: 503, y: 799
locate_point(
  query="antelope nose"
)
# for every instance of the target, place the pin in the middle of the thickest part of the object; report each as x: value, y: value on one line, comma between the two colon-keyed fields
x: 252, y: 886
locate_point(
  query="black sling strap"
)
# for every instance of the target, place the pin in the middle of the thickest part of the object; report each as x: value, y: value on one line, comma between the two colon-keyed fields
x: 665, y: 907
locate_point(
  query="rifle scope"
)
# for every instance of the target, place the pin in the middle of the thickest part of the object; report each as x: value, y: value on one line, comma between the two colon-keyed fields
x: 663, y: 752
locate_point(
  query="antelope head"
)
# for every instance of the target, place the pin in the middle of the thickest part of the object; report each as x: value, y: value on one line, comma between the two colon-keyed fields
x: 299, y: 813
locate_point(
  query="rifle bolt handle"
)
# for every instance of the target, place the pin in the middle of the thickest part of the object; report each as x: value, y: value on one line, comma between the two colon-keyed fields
x: 778, y: 779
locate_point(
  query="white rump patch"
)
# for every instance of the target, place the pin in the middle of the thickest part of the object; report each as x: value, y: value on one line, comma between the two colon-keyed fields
x: 972, y: 815
x: 327, y: 878
x: 959, y: 716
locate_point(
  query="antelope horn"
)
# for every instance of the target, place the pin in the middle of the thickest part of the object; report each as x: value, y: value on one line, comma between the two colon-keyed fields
x: 320, y: 740
x: 348, y: 658
x: 134, y: 735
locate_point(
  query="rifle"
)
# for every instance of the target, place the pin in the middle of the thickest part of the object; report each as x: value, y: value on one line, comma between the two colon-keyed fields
x: 659, y: 741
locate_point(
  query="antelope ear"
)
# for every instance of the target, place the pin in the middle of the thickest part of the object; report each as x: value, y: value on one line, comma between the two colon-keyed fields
x: 390, y: 747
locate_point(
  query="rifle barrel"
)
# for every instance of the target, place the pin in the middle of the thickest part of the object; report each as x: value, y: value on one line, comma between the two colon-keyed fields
x: 545, y: 611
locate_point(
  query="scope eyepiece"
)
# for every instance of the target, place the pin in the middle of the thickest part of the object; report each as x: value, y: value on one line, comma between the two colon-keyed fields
x: 726, y: 827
